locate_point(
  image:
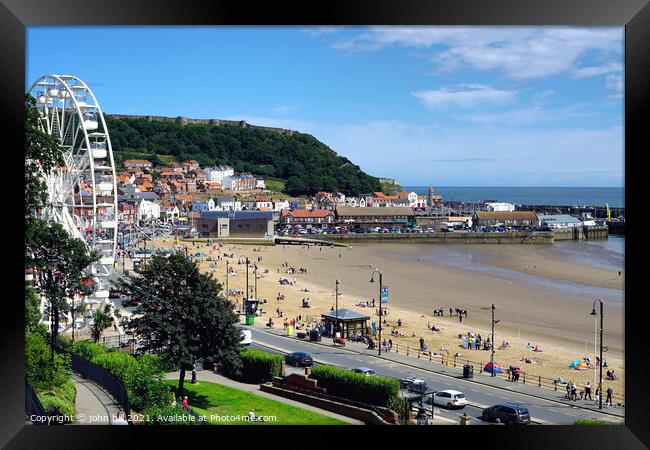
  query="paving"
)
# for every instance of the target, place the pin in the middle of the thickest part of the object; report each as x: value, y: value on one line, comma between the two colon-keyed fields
x: 93, y: 405
x: 213, y: 377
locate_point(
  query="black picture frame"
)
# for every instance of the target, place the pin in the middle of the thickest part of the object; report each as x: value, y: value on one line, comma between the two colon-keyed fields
x: 634, y: 15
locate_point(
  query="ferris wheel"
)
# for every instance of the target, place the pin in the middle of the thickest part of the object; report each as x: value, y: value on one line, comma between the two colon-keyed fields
x: 82, y: 194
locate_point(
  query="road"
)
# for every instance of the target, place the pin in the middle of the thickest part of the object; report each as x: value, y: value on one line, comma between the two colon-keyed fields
x: 479, y: 396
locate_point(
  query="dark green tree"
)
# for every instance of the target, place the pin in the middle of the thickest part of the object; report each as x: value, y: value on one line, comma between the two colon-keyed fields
x: 182, y: 315
x: 32, y: 308
x: 61, y: 262
x: 43, y: 153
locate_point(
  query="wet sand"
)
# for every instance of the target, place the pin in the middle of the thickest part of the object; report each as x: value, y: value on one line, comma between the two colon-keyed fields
x: 542, y: 297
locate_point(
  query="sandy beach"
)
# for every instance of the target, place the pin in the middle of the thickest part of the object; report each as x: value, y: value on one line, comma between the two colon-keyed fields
x: 542, y: 297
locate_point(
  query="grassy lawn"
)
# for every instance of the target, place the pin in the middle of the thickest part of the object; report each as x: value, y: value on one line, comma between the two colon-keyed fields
x: 592, y: 422
x: 215, y: 399
x: 274, y: 185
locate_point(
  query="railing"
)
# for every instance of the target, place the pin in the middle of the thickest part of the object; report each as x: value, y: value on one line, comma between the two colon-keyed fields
x: 103, y: 378
x: 525, y: 378
x: 33, y: 407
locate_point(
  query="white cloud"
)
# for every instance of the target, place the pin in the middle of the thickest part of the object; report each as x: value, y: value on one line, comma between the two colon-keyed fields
x: 321, y: 30
x: 520, y: 53
x: 285, y: 109
x: 614, y: 82
x: 463, y: 95
x: 534, y: 115
x: 584, y: 72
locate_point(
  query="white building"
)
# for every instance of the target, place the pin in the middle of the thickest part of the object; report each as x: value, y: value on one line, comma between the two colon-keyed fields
x: 279, y: 205
x: 203, y: 205
x: 218, y: 173
x: 148, y: 210
x: 227, y: 204
x: 260, y: 184
x: 500, y: 207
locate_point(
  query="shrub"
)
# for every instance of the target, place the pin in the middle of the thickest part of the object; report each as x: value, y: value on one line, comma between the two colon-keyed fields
x: 55, y: 405
x: 593, y: 422
x: 156, y: 363
x: 64, y: 342
x: 155, y: 416
x: 88, y: 350
x: 40, y: 371
x: 67, y: 390
x: 258, y: 366
x: 117, y: 363
x: 376, y: 390
x: 146, y: 387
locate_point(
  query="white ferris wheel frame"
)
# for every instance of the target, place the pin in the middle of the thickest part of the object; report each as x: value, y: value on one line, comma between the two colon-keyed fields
x: 82, y: 147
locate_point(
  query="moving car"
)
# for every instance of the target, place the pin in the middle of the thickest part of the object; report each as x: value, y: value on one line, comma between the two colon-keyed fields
x: 364, y: 371
x: 413, y: 384
x: 448, y: 398
x: 508, y: 413
x: 299, y: 359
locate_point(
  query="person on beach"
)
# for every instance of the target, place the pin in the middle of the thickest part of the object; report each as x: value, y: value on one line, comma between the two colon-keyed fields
x: 610, y: 392
x: 421, y: 343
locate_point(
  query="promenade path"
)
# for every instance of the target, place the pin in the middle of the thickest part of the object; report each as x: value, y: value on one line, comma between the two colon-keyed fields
x: 208, y: 375
x: 93, y: 405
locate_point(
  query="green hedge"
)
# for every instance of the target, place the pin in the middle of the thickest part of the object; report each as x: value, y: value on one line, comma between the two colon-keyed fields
x: 376, y: 390
x: 143, y: 378
x: 155, y: 416
x: 55, y: 405
x: 41, y: 371
x: 117, y: 363
x: 258, y: 366
x: 88, y: 350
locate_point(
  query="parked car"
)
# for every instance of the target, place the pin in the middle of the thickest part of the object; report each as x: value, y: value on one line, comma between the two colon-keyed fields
x: 448, y: 398
x: 364, y: 371
x: 508, y: 413
x: 299, y: 359
x: 413, y: 384
x: 246, y: 336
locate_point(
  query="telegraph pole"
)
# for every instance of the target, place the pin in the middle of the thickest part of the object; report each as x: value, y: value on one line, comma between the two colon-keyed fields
x: 337, y: 309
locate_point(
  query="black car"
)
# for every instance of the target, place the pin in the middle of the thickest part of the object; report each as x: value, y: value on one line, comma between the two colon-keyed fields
x: 508, y: 413
x: 299, y: 359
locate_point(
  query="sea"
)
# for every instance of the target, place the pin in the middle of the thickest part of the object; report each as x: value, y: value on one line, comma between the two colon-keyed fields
x: 562, y: 196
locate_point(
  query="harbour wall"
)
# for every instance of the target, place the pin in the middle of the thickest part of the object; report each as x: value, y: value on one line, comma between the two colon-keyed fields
x: 540, y: 237
x: 581, y: 233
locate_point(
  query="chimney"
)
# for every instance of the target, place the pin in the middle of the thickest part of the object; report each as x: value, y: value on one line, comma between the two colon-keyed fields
x: 307, y: 371
x: 283, y: 369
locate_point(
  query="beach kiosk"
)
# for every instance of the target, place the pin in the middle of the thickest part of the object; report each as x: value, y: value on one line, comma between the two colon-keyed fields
x: 350, y: 321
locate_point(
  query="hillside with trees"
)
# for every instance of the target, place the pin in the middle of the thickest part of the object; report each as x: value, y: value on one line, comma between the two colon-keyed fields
x: 305, y: 163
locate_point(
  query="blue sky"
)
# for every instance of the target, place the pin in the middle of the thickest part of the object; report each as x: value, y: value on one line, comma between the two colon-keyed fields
x: 447, y: 106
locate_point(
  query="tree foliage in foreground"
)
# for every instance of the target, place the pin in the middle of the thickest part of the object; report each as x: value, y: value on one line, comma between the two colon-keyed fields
x: 182, y: 315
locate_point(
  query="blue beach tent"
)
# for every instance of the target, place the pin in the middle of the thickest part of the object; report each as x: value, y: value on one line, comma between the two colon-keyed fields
x: 489, y: 368
x: 575, y: 363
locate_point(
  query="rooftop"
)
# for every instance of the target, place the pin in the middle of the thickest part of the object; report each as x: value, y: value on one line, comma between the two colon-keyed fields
x: 372, y: 211
x: 345, y: 315
x: 268, y: 215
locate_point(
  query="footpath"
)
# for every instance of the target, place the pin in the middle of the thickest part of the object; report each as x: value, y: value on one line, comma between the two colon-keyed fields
x: 208, y: 375
x: 529, y: 388
x: 93, y: 405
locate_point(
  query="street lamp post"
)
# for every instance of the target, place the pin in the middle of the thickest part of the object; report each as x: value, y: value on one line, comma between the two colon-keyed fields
x: 227, y: 290
x: 381, y: 284
x: 336, y: 329
x: 494, y: 322
x: 255, y: 273
x: 600, y: 361
x: 246, y: 297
